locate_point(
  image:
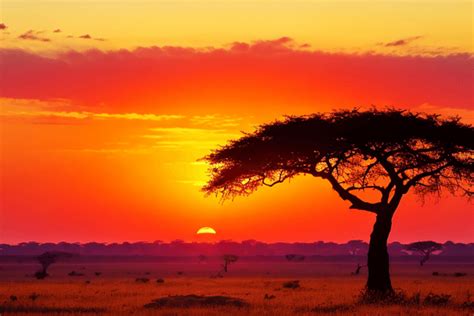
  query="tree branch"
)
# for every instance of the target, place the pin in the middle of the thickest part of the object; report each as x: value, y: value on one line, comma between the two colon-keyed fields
x: 413, y: 181
x: 280, y: 179
x: 357, y: 203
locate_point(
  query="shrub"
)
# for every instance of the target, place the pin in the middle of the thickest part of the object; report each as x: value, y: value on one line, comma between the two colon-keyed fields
x: 437, y: 299
x: 142, y: 280
x: 74, y: 273
x: 291, y: 284
x: 269, y: 297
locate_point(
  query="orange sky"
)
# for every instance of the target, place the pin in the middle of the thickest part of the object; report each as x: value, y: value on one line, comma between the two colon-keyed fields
x: 103, y: 120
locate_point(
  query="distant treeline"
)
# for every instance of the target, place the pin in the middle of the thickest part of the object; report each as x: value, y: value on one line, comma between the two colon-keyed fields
x: 246, y: 248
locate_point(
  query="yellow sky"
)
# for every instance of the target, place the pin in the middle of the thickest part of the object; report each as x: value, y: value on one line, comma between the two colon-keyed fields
x: 327, y: 25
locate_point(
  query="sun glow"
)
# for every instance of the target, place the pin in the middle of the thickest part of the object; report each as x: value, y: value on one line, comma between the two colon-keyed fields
x: 206, y: 230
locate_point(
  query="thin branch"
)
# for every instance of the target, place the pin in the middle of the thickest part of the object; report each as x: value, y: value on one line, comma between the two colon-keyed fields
x: 418, y: 177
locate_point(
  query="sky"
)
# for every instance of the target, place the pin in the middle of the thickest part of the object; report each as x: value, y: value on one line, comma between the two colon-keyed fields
x: 107, y: 106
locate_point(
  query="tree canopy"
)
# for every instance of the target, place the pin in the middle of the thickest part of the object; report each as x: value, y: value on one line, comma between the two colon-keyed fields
x: 386, y: 151
x: 426, y: 248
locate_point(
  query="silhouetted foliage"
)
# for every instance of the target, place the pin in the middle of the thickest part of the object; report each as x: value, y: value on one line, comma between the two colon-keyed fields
x: 291, y: 284
x: 228, y: 259
x: 75, y: 274
x: 46, y: 260
x: 387, y: 152
x: 192, y: 300
x: 194, y: 249
x: 437, y: 299
x: 33, y: 296
x: 358, y: 268
x: 295, y: 258
x: 356, y: 246
x: 142, y: 280
x: 426, y: 248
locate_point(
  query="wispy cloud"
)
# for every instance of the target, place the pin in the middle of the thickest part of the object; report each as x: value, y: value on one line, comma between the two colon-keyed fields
x: 403, y: 41
x: 189, y: 137
x: 34, y: 36
x: 92, y: 115
x: 89, y: 37
x: 195, y: 183
x: 216, y: 120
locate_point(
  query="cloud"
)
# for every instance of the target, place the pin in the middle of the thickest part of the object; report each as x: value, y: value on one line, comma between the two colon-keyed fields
x: 3, y: 26
x: 89, y: 37
x: 57, y: 31
x: 274, y: 76
x: 195, y: 183
x: 467, y: 115
x: 91, y: 115
x: 34, y: 36
x: 402, y: 42
x: 185, y: 138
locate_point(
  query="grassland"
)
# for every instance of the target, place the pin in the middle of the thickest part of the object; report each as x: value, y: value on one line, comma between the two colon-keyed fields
x: 325, y: 289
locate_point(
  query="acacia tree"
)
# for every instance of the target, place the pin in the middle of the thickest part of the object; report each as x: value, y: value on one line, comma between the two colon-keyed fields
x: 425, y: 248
x: 370, y: 158
x: 228, y: 259
x: 48, y: 258
x: 356, y: 246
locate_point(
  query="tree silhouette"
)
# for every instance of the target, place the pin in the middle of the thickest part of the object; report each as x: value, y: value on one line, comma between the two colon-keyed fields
x: 46, y: 259
x: 370, y: 158
x: 228, y: 259
x: 356, y: 246
x: 358, y: 268
x: 426, y: 248
x: 295, y: 258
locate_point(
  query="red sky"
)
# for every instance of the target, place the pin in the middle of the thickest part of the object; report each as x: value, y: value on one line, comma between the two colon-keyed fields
x: 100, y: 142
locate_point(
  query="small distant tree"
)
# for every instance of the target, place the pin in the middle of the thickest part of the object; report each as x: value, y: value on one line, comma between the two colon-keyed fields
x: 358, y: 268
x: 295, y: 258
x: 46, y: 260
x: 425, y: 248
x: 356, y: 246
x: 228, y: 259
x: 371, y: 159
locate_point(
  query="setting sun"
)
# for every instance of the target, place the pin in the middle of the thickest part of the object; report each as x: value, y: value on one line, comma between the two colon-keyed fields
x: 206, y: 230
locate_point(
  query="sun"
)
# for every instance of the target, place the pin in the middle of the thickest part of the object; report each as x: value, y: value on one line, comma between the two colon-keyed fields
x: 206, y: 230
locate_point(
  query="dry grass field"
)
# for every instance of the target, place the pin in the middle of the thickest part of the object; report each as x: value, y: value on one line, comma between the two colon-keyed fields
x: 324, y: 289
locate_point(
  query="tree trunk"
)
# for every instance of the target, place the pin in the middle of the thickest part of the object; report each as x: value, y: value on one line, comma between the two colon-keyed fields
x: 424, y: 259
x: 378, y: 260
